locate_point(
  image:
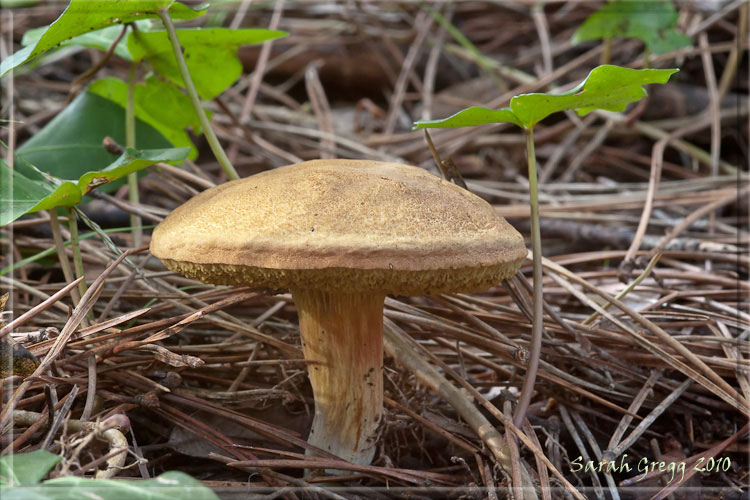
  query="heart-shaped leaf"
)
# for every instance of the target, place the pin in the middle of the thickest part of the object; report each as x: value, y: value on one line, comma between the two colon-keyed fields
x: 607, y: 87
x: 157, y: 103
x: 71, y: 143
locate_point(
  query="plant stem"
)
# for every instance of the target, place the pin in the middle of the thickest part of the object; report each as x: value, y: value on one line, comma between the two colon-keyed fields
x: 77, y: 260
x: 735, y: 56
x: 61, y: 254
x: 133, y: 196
x: 606, y: 51
x: 536, y: 323
x: 213, y: 141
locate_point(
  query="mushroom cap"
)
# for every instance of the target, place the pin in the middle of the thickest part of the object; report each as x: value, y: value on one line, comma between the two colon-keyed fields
x: 341, y: 225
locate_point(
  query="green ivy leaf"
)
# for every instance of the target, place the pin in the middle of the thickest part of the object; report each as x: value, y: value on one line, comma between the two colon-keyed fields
x: 607, y: 87
x: 26, y: 469
x: 157, y: 103
x: 22, y: 195
x: 211, y: 54
x: 651, y: 21
x: 84, y: 16
x: 71, y: 143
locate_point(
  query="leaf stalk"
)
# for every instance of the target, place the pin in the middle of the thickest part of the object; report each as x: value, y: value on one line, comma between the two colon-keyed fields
x: 537, y: 318
x: 75, y: 244
x: 213, y: 141
x: 61, y: 254
x: 133, y: 194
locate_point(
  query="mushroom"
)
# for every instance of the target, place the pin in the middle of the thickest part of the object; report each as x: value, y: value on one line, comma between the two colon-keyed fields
x: 341, y: 235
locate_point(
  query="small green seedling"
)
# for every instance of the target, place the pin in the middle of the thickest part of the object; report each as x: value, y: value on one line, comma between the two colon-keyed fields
x: 607, y: 87
x: 21, y: 478
x: 651, y: 21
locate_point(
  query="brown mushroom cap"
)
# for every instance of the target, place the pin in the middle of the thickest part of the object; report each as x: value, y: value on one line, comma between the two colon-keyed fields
x: 347, y: 225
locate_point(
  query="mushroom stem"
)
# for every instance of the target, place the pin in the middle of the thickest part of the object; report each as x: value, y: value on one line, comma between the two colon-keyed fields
x: 342, y: 336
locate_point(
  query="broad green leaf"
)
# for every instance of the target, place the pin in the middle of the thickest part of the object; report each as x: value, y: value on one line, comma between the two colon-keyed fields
x: 607, y: 87
x: 211, y: 54
x: 26, y: 469
x: 71, y: 143
x: 469, y: 117
x: 167, y: 486
x: 652, y: 21
x: 157, y: 103
x: 83, y: 16
x: 23, y: 195
x: 670, y: 40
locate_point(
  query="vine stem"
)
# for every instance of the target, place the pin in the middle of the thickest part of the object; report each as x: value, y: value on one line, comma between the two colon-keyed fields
x: 75, y: 244
x: 133, y: 195
x: 536, y: 323
x: 213, y: 141
x: 606, y: 51
x: 88, y: 319
x: 61, y: 254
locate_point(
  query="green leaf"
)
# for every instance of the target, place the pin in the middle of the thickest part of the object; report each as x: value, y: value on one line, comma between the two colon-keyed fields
x: 607, y: 87
x: 26, y: 469
x: 157, y: 103
x: 211, y: 54
x: 469, y: 117
x: 181, y: 11
x: 20, y: 195
x: 71, y: 143
x: 651, y: 21
x: 83, y: 16
x: 167, y: 486
x: 130, y: 161
x: 668, y: 41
